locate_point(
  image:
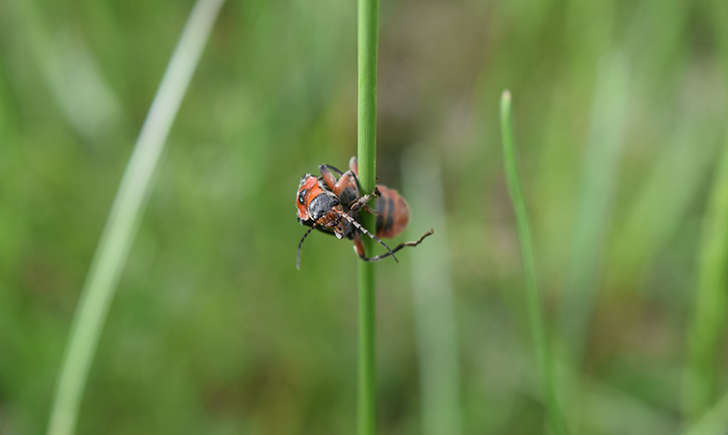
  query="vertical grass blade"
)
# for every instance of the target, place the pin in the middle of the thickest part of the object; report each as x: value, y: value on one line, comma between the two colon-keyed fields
x: 122, y: 223
x: 533, y: 298
x: 434, y: 303
x: 367, y: 37
x: 663, y: 198
x: 708, y: 325
x: 601, y: 159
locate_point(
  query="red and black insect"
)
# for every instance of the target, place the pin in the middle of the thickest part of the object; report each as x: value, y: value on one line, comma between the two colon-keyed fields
x: 332, y: 206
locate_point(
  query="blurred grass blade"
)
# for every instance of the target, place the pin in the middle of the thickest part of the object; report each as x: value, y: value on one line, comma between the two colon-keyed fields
x: 432, y: 290
x: 601, y: 159
x: 123, y: 219
x: 71, y: 73
x: 538, y: 332
x: 708, y: 325
x: 367, y: 37
x: 666, y: 196
x: 714, y: 422
x: 597, y: 403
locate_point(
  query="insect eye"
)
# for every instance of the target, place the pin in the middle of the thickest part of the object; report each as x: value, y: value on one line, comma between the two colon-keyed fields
x: 302, y: 196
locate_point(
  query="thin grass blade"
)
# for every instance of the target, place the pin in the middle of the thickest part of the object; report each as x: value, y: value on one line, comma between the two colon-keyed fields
x: 708, y: 325
x: 121, y: 226
x: 556, y: 419
x: 433, y: 295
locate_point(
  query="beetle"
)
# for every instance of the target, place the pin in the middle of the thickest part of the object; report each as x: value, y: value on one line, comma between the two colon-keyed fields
x: 333, y: 206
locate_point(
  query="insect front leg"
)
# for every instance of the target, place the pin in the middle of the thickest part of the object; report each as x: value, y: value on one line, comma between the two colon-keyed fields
x: 347, y: 188
x: 363, y: 201
x: 328, y: 177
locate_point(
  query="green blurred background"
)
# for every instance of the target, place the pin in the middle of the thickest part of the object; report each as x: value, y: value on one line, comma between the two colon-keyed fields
x: 619, y: 111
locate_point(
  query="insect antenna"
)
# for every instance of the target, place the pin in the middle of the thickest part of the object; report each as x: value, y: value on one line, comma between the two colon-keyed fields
x: 298, y: 254
x: 364, y: 230
x: 335, y: 169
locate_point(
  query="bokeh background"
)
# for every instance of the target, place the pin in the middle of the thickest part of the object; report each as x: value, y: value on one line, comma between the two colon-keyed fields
x: 619, y: 115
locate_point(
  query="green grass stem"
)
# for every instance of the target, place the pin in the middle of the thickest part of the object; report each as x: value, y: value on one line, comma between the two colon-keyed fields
x: 708, y: 323
x: 367, y: 37
x: 538, y: 332
x: 123, y: 219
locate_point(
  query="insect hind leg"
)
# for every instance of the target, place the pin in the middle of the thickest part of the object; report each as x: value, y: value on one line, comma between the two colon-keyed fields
x: 359, y: 247
x: 358, y: 226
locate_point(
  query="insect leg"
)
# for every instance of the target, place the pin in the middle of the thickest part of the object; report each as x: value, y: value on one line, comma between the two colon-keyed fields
x: 335, y: 169
x: 328, y: 177
x: 359, y: 248
x: 363, y: 201
x: 347, y: 188
x: 372, y: 236
x: 354, y: 167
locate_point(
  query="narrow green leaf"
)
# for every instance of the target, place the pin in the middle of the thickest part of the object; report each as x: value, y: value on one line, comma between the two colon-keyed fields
x: 533, y: 297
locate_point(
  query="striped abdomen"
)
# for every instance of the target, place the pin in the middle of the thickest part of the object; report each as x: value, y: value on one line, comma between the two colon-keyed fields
x: 392, y: 212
